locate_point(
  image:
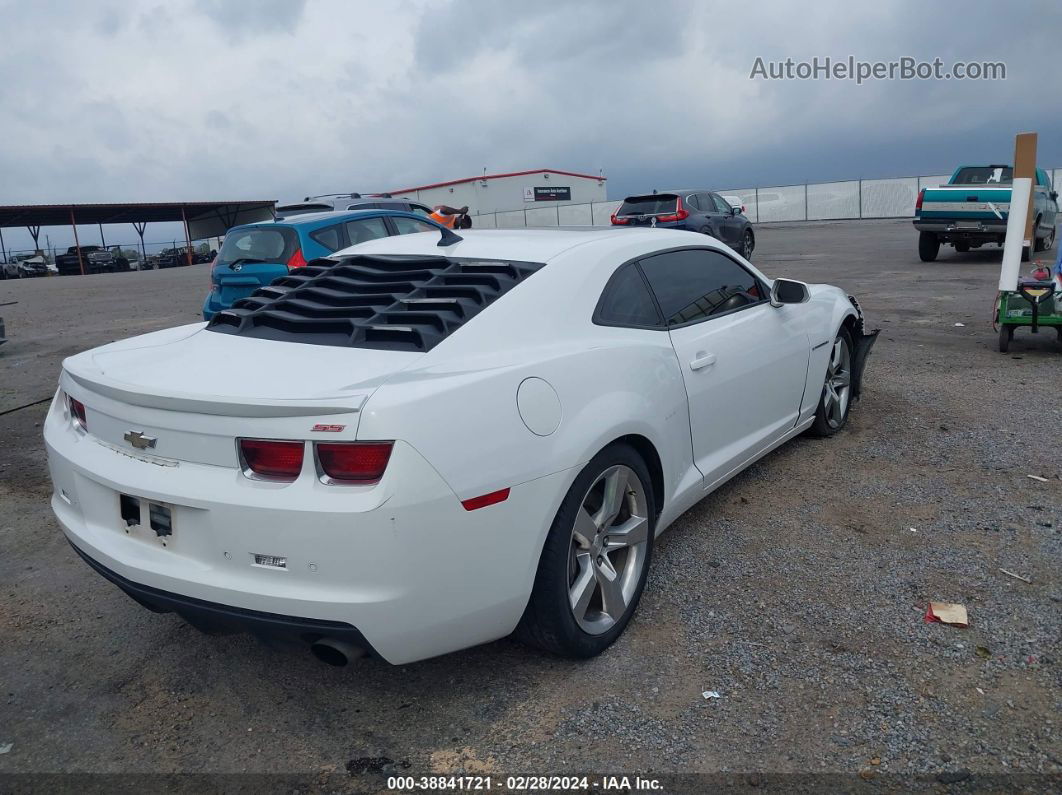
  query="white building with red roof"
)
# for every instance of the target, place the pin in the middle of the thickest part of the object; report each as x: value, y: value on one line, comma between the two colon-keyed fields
x: 519, y: 190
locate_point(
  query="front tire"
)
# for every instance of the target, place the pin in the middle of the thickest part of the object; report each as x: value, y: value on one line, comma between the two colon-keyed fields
x: 596, y: 558
x: 831, y: 415
x: 928, y: 246
x: 748, y: 243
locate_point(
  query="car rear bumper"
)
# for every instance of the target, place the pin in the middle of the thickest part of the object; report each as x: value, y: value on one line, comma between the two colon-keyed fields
x: 963, y: 228
x: 401, y: 561
x: 217, y: 619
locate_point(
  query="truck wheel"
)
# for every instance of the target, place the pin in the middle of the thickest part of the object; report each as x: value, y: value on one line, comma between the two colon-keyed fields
x: 1025, y: 253
x: 1006, y: 334
x: 1039, y: 243
x: 962, y: 248
x: 928, y: 246
x: 1049, y: 241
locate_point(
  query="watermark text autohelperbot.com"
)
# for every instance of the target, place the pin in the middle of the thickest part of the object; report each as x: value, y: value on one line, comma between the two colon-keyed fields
x: 851, y: 68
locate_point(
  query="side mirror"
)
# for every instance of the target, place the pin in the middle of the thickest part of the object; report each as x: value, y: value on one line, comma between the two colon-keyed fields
x: 735, y: 211
x: 788, y: 291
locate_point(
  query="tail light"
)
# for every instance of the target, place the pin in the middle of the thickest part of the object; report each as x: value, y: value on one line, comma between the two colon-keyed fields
x: 271, y: 459
x: 680, y: 214
x: 918, y: 201
x: 617, y: 221
x: 297, y: 260
x: 77, y: 412
x: 352, y: 462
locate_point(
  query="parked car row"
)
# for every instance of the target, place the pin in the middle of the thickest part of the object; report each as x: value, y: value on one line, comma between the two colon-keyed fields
x: 24, y: 266
x: 90, y: 259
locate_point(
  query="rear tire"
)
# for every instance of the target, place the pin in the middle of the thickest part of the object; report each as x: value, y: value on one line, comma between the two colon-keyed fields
x: 590, y: 579
x: 1039, y: 243
x: 1006, y: 334
x: 928, y: 246
x: 748, y: 243
x: 1048, y: 242
x: 831, y: 415
x: 962, y: 248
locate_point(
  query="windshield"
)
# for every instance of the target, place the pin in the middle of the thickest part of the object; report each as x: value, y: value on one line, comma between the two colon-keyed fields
x: 648, y: 205
x: 984, y: 175
x: 259, y: 244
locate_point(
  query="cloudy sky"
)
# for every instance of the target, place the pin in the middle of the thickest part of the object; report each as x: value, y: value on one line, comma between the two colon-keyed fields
x: 200, y: 99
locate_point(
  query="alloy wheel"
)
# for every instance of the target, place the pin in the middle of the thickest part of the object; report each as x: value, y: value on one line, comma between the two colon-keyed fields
x: 608, y: 549
x: 746, y: 246
x: 838, y: 383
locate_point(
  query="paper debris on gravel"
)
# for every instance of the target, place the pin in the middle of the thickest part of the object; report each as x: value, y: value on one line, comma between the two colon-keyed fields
x: 960, y: 325
x: 6, y: 747
x: 711, y: 694
x: 1037, y: 477
x: 947, y: 613
x: 1016, y: 576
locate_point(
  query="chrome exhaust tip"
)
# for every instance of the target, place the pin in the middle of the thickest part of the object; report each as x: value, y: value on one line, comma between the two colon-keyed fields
x: 336, y: 652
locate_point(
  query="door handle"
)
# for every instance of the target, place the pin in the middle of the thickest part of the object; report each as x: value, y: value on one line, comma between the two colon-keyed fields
x: 703, y: 360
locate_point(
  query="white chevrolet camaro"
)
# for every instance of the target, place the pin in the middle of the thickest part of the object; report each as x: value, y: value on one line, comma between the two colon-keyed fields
x: 426, y: 444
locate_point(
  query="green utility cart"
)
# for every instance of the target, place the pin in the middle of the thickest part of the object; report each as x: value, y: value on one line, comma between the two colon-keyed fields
x: 1033, y: 304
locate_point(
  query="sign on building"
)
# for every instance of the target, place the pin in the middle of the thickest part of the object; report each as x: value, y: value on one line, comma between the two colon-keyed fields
x: 548, y: 194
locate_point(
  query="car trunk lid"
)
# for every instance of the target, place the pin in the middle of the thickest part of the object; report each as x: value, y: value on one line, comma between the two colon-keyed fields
x: 239, y: 279
x: 194, y: 394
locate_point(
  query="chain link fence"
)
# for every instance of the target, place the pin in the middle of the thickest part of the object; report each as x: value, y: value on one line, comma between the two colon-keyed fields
x: 822, y: 201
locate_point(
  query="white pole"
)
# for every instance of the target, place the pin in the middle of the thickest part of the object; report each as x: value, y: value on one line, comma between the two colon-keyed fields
x: 1015, y: 239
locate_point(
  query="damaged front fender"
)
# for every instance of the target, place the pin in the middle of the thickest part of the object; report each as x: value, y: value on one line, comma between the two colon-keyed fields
x: 863, y: 341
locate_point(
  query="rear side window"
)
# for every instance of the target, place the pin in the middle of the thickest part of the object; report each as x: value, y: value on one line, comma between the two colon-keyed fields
x: 328, y: 237
x: 696, y: 284
x: 656, y: 204
x: 259, y: 244
x: 984, y: 175
x: 409, y: 226
x: 626, y: 300
x: 365, y: 229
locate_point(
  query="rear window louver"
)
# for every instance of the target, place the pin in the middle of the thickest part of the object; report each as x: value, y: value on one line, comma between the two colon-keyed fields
x: 384, y: 302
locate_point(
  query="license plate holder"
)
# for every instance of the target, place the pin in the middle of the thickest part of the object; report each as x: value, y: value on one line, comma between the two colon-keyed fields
x: 138, y: 512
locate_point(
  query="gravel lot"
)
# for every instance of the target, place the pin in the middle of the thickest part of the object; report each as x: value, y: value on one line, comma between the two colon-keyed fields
x: 797, y: 590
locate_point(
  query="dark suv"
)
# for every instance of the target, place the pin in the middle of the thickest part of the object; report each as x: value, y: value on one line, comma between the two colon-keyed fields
x: 694, y: 210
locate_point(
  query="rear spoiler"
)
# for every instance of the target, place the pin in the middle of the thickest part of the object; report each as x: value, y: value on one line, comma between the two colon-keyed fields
x: 220, y: 405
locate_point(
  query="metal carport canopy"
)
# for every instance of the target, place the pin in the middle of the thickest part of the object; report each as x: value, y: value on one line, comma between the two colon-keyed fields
x: 205, y: 219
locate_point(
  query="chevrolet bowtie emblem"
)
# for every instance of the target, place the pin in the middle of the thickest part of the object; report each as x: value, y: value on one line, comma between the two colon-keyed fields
x: 139, y: 440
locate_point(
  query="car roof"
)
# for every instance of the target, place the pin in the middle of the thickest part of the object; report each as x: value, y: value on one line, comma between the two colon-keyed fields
x: 526, y: 245
x: 334, y: 216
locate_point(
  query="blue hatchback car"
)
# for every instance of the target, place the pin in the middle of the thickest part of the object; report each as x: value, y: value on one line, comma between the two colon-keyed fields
x: 254, y: 255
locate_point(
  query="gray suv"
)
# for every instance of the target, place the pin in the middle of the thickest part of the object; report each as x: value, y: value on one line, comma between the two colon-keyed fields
x: 695, y: 210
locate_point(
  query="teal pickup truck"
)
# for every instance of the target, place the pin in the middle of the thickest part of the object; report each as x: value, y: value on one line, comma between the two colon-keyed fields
x: 971, y: 210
